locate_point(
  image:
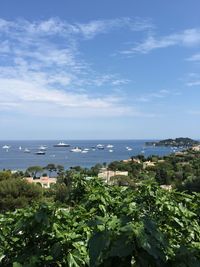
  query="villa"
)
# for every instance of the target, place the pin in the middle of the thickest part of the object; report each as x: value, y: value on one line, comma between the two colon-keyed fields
x: 106, y: 174
x: 45, y: 182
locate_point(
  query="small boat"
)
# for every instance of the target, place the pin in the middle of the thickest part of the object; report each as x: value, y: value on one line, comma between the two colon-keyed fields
x: 110, y: 150
x: 40, y: 152
x: 129, y: 148
x: 84, y: 151
x: 20, y: 148
x: 26, y: 150
x: 6, y: 147
x: 110, y: 146
x: 76, y: 149
x: 61, y: 144
x: 42, y: 147
x: 99, y: 146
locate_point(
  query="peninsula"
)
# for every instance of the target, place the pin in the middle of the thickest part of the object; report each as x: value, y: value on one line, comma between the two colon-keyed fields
x: 177, y: 142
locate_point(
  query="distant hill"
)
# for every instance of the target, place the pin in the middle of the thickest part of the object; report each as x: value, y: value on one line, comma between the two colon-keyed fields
x: 177, y: 142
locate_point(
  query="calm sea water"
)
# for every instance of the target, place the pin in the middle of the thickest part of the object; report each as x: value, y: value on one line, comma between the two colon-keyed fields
x: 16, y: 159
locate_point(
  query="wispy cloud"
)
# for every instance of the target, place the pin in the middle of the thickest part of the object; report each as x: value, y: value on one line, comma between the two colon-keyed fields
x: 195, y: 57
x: 154, y: 95
x: 89, y: 30
x: 193, y: 79
x: 42, y: 71
x: 188, y: 38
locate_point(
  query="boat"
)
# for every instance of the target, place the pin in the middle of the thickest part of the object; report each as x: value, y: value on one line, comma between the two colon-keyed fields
x: 20, y: 148
x: 61, y: 144
x: 99, y: 146
x: 129, y: 148
x: 110, y: 146
x: 40, y: 152
x: 42, y: 147
x: 26, y: 150
x: 84, y: 151
x: 110, y: 150
x: 6, y: 147
x: 76, y: 149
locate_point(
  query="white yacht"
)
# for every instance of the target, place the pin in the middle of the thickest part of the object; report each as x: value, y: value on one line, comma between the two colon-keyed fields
x: 129, y: 148
x: 110, y: 146
x: 84, y: 151
x: 6, y: 147
x: 110, y: 150
x: 20, y: 148
x: 76, y: 149
x: 61, y: 144
x: 99, y: 146
x: 42, y: 147
x: 26, y: 150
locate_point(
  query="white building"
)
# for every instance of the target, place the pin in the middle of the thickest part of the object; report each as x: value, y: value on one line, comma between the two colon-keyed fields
x: 106, y: 174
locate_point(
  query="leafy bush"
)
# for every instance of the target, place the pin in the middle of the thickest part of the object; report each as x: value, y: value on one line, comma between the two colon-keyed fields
x: 107, y: 226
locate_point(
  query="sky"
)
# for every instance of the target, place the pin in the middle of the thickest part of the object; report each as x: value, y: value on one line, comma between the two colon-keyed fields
x: 74, y: 69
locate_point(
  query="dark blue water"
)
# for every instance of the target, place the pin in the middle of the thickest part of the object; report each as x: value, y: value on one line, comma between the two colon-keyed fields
x: 16, y: 159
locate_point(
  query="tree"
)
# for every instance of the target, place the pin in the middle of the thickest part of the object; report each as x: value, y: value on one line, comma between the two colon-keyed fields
x: 4, y: 175
x: 18, y: 193
x: 34, y: 170
x: 51, y: 168
x: 61, y: 193
x: 122, y: 180
x: 60, y: 170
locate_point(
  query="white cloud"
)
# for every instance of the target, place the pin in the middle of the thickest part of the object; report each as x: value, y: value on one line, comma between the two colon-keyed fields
x: 42, y: 71
x: 89, y: 30
x: 193, y: 79
x: 154, y: 95
x: 195, y: 57
x: 27, y: 97
x: 188, y: 38
x: 56, y: 26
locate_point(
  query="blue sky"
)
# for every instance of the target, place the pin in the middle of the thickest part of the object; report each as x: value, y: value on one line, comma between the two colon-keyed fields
x: 104, y: 69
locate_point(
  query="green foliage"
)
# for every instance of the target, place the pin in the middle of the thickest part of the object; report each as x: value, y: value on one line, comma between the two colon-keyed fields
x: 4, y: 175
x: 51, y: 168
x: 106, y: 226
x: 34, y: 170
x: 17, y: 193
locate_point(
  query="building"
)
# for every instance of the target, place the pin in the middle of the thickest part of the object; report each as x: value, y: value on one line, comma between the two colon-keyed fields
x: 135, y: 160
x: 45, y: 182
x: 196, y: 148
x: 106, y: 174
x: 147, y: 164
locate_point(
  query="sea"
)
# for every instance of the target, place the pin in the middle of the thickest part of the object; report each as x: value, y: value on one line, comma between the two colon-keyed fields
x: 14, y: 158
